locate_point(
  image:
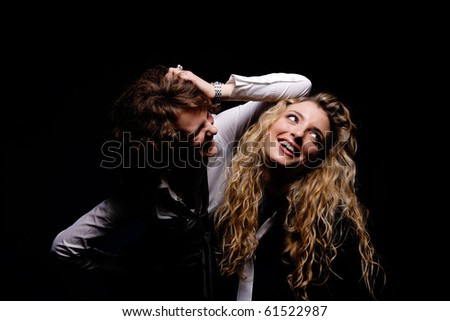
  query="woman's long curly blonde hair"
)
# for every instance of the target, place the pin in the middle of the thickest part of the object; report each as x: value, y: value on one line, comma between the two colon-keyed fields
x: 323, y: 207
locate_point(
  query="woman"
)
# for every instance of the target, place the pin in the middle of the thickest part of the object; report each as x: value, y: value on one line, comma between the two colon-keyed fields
x: 291, y: 224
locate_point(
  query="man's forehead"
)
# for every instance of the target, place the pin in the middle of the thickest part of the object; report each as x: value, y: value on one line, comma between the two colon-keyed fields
x: 191, y: 119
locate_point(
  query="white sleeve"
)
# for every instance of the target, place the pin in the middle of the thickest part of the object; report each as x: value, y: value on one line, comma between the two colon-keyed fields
x: 270, y: 87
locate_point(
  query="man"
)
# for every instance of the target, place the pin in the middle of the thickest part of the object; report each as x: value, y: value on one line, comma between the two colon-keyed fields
x: 175, y: 149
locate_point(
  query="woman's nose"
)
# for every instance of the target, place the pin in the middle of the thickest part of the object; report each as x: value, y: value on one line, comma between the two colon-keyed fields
x: 297, y: 132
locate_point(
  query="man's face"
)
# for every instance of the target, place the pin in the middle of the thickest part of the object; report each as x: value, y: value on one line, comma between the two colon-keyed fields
x: 198, y: 130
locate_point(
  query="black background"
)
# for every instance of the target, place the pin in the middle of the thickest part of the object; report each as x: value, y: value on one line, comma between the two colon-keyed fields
x: 64, y: 74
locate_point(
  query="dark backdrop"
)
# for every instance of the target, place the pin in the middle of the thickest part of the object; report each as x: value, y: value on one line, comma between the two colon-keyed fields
x: 59, y: 94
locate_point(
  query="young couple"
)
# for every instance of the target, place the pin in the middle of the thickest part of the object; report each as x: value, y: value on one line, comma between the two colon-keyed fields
x: 256, y: 202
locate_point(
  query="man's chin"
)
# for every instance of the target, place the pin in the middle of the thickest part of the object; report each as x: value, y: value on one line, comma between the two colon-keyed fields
x: 210, y: 152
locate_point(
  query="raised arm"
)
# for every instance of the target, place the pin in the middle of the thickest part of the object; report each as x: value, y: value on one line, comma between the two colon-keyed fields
x: 270, y: 87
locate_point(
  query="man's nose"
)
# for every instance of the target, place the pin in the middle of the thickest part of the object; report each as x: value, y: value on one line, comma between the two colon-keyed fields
x: 211, y: 130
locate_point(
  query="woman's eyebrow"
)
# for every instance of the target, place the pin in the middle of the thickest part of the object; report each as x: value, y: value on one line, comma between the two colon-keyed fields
x: 300, y: 115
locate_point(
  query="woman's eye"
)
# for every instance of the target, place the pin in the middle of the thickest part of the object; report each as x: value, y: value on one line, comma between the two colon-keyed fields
x: 293, y: 118
x: 315, y: 136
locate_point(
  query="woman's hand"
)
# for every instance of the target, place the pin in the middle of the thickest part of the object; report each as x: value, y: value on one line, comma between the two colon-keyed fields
x: 201, y: 84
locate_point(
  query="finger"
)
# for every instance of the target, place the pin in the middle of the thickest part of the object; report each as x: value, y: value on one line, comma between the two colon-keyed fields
x: 177, y: 72
x: 171, y: 73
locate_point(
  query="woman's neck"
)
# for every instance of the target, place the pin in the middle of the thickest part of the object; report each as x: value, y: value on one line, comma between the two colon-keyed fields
x: 278, y: 179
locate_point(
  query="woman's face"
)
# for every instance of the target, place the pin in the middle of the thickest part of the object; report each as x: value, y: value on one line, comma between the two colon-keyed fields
x: 296, y: 138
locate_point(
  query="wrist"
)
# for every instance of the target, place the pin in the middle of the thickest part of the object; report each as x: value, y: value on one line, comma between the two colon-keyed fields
x: 217, y: 92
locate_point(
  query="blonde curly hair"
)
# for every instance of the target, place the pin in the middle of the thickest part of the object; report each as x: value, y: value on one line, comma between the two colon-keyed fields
x: 323, y: 206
